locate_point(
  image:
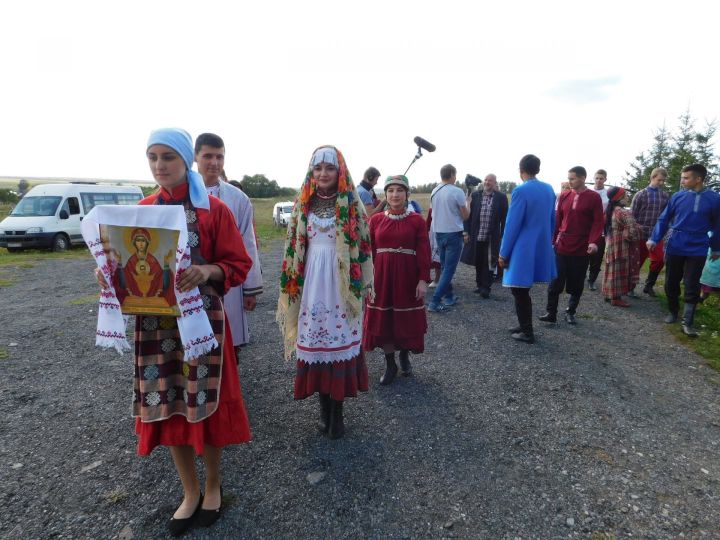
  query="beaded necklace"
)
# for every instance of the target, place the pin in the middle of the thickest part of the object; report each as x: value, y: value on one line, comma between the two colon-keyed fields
x: 323, y: 207
x: 405, y: 214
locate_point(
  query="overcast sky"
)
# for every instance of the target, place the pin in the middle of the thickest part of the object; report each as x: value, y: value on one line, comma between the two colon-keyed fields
x: 575, y: 83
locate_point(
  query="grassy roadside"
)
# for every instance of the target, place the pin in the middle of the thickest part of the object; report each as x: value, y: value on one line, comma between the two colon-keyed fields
x: 707, y: 323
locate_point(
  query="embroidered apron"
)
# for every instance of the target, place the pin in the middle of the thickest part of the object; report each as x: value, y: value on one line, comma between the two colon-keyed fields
x: 164, y: 385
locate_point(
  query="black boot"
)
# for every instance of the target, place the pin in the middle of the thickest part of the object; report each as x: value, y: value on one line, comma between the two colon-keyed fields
x: 688, y: 319
x: 526, y: 333
x: 324, y: 423
x: 673, y: 308
x: 650, y: 283
x: 337, y: 427
x: 573, y: 303
x: 391, y: 369
x: 405, y: 366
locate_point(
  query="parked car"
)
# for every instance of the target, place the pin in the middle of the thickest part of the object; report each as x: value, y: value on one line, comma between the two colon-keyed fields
x: 49, y: 215
x: 281, y: 213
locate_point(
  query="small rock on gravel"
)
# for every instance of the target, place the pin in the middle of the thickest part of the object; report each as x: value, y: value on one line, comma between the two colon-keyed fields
x: 315, y: 477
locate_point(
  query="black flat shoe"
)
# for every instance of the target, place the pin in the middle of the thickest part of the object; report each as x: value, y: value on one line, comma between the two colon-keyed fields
x: 205, y: 518
x: 178, y: 527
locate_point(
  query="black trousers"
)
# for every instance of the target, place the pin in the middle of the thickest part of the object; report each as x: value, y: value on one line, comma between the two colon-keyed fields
x: 571, y: 271
x: 523, y: 308
x: 483, y: 274
x: 596, y: 260
x: 688, y: 270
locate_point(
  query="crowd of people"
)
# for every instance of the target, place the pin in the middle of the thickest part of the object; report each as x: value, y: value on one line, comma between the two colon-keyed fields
x: 355, y: 273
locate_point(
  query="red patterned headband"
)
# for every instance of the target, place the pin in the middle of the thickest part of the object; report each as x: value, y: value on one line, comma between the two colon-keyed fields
x: 619, y: 194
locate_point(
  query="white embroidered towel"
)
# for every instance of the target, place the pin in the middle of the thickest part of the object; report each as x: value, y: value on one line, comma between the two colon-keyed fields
x: 195, y: 331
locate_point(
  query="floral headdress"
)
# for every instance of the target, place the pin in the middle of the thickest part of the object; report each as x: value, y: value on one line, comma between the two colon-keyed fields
x: 354, y: 259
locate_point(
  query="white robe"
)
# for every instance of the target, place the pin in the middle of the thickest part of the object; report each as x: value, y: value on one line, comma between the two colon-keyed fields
x: 242, y: 209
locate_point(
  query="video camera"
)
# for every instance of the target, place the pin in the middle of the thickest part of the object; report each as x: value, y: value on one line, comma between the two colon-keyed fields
x: 471, y: 181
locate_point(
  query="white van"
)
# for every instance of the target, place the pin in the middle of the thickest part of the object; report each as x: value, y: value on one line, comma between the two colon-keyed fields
x: 49, y: 215
x: 281, y: 213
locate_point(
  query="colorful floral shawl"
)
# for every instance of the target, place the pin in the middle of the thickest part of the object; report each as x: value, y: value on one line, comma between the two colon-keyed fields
x: 354, y: 259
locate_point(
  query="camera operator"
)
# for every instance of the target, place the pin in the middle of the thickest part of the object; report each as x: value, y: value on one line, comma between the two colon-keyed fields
x: 366, y: 190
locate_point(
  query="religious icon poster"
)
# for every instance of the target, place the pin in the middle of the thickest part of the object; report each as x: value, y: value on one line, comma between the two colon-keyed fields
x: 143, y: 266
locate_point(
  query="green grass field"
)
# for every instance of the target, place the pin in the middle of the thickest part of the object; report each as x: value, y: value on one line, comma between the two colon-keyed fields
x: 707, y: 322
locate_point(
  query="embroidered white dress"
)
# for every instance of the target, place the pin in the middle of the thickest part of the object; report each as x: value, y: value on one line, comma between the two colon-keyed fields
x: 326, y: 333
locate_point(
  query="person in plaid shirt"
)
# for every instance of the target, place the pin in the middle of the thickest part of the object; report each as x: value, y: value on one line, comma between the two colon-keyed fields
x: 483, y: 231
x: 647, y: 205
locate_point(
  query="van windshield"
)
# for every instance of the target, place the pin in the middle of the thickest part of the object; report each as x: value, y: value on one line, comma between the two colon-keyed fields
x: 36, y: 206
x: 286, y: 209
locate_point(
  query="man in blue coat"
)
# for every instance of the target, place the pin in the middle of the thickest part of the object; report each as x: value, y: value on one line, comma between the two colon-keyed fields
x: 690, y: 215
x: 526, y: 251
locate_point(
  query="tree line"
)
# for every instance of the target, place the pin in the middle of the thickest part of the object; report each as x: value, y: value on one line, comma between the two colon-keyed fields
x: 673, y: 150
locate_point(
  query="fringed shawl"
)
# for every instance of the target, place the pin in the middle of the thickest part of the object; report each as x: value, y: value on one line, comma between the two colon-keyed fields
x: 354, y: 259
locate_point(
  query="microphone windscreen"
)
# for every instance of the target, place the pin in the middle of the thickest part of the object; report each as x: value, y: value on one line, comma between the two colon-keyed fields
x: 425, y: 145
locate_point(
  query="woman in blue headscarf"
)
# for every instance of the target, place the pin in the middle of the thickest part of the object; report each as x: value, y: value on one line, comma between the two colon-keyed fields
x: 195, y: 407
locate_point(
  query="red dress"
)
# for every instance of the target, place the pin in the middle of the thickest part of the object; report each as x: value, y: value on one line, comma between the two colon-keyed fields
x: 222, y: 245
x: 396, y: 316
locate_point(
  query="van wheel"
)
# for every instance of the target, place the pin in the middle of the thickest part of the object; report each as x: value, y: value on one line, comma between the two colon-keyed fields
x: 60, y: 242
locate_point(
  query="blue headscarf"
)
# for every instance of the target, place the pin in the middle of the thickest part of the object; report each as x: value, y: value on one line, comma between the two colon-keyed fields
x: 180, y: 141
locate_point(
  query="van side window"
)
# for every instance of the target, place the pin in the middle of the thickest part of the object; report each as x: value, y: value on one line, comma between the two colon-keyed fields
x: 90, y: 200
x: 71, y: 206
x: 128, y: 198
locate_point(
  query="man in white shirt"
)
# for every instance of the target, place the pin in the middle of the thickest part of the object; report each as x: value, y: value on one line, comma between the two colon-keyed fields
x: 449, y: 211
x: 597, y: 258
x: 210, y: 159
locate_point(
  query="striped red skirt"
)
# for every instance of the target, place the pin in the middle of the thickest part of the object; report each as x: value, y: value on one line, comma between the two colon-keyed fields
x: 228, y: 425
x: 340, y: 379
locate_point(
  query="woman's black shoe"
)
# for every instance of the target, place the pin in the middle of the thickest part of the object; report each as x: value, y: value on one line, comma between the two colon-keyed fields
x: 205, y: 518
x: 177, y: 527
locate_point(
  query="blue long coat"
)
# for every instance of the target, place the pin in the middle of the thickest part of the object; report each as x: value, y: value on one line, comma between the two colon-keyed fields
x: 527, y: 242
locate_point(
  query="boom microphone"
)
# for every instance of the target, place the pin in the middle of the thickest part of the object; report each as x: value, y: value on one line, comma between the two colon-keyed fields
x: 425, y: 145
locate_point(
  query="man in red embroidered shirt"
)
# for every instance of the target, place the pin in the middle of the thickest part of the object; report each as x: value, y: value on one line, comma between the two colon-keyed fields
x: 579, y: 225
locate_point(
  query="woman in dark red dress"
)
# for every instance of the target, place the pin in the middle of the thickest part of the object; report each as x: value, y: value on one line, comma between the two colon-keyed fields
x: 194, y: 407
x: 395, y: 318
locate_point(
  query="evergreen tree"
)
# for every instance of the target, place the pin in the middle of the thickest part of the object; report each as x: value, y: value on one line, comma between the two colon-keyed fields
x: 673, y: 151
x: 705, y: 152
x: 682, y: 152
x: 506, y: 187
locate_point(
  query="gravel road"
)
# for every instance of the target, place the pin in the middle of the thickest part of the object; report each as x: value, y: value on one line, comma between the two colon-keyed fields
x: 608, y: 429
